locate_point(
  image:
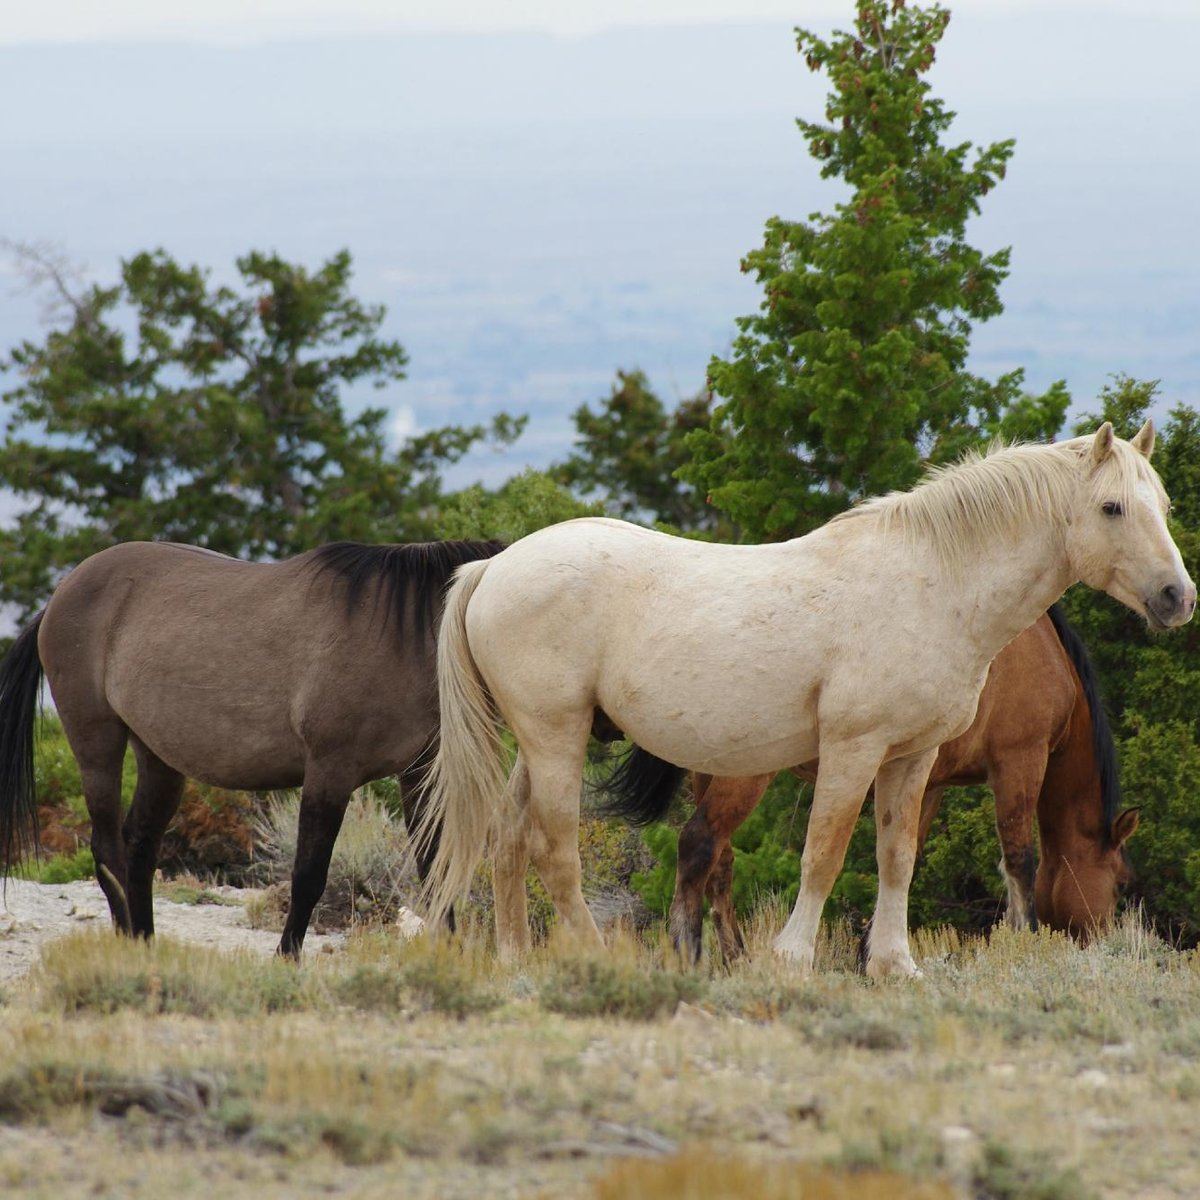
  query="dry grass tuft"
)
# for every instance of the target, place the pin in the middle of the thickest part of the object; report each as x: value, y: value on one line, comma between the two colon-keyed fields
x: 96, y: 972
x: 371, y: 874
x: 702, y: 1175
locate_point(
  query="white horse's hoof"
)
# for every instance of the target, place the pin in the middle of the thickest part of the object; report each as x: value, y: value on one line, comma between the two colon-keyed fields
x: 797, y: 956
x: 897, y: 966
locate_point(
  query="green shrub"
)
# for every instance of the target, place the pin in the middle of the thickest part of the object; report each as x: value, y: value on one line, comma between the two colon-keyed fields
x: 62, y: 868
x: 591, y: 987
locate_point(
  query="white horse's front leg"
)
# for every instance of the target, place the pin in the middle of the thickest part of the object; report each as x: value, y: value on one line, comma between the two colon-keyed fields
x: 899, y: 787
x: 844, y: 775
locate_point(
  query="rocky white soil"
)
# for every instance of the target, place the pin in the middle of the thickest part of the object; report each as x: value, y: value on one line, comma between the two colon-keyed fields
x: 32, y: 914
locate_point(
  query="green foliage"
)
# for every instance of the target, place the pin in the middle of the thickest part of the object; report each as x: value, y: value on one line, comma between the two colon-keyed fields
x: 62, y: 868
x: 853, y: 373
x: 656, y: 886
x: 630, y: 451
x: 957, y: 881
x: 1160, y: 764
x: 171, y: 407
x: 527, y: 502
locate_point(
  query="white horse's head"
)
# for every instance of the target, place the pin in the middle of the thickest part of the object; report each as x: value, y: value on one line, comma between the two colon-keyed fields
x: 1118, y: 539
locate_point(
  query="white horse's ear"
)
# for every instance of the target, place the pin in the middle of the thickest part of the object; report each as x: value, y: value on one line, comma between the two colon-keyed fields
x: 1143, y: 440
x: 1102, y: 443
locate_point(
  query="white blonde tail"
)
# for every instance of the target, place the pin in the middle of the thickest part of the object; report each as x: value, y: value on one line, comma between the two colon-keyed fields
x: 468, y: 775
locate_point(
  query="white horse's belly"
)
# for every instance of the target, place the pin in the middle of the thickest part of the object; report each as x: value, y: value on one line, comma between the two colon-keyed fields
x: 720, y: 725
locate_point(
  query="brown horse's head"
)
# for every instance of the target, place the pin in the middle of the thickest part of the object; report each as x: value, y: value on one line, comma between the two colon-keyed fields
x: 1078, y: 888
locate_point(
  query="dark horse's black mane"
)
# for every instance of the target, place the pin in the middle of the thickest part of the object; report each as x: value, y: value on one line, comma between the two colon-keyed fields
x: 1102, y: 739
x: 408, y: 579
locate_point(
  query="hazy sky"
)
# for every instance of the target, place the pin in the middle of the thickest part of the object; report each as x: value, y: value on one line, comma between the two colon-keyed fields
x: 237, y: 20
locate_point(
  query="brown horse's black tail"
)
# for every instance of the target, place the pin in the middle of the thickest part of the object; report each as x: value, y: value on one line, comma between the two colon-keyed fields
x: 640, y: 789
x: 20, y: 682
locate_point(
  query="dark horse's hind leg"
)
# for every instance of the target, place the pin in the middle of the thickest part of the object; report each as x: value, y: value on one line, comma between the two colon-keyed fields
x: 155, y: 803
x: 413, y: 798
x: 98, y: 744
x: 323, y: 803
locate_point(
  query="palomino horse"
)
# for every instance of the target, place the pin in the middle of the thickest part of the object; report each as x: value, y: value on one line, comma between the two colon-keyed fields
x: 865, y: 644
x: 1040, y: 740
x: 315, y: 672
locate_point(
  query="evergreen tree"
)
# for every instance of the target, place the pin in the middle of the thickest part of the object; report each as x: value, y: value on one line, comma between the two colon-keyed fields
x: 852, y: 375
x: 628, y: 454
x: 167, y: 407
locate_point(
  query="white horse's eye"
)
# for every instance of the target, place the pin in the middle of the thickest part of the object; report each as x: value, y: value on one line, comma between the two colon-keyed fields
x: 1112, y: 509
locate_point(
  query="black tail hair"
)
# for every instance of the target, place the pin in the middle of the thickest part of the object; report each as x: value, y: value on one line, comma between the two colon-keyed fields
x: 1103, y: 746
x: 640, y: 789
x: 408, y: 578
x: 20, y: 682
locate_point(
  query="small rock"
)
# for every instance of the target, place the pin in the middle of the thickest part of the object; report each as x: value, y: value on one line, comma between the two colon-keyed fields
x: 1092, y: 1077
x: 960, y: 1150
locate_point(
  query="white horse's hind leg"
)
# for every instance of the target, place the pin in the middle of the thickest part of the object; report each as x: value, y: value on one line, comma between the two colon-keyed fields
x: 510, y: 860
x: 555, y: 786
x: 899, y: 787
x: 842, y: 783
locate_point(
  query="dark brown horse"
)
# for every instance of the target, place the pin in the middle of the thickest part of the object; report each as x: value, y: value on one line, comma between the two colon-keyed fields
x: 1040, y: 740
x: 317, y: 672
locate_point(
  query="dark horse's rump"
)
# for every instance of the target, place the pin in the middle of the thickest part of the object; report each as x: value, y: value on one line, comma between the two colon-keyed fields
x: 246, y: 675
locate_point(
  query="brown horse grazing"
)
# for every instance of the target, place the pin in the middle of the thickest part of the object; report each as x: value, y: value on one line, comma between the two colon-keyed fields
x: 317, y: 672
x: 1040, y: 740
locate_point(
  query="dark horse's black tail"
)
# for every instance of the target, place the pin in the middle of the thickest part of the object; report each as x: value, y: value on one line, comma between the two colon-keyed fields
x: 640, y: 789
x: 20, y: 681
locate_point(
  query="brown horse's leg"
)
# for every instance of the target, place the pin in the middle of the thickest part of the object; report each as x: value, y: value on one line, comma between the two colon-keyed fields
x: 720, y: 900
x: 1016, y: 780
x: 931, y: 802
x: 721, y: 807
x: 323, y: 802
x: 413, y: 797
x: 155, y: 802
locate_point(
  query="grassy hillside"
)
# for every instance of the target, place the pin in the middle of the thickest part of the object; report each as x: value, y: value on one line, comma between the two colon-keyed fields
x: 1019, y: 1067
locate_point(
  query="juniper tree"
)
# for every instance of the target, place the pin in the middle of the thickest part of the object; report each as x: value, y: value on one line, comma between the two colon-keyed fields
x: 852, y: 374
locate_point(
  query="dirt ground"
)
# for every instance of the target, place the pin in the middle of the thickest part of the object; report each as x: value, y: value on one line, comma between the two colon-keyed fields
x: 32, y: 914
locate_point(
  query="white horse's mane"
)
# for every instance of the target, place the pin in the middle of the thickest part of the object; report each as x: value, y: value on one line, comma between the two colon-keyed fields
x: 996, y: 494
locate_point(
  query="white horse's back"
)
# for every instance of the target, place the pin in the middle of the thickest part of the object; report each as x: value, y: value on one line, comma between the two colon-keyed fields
x: 724, y: 659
